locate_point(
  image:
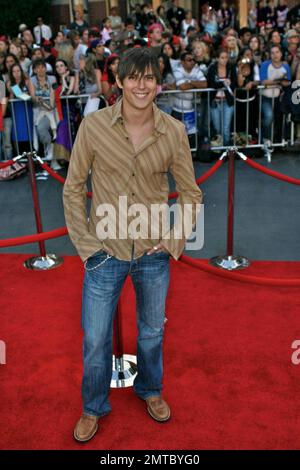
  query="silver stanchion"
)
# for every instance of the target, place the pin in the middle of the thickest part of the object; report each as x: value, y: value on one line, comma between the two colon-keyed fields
x: 229, y: 261
x: 123, y: 365
x: 44, y: 261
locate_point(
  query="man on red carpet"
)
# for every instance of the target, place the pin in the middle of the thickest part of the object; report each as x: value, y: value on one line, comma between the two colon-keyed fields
x: 129, y: 148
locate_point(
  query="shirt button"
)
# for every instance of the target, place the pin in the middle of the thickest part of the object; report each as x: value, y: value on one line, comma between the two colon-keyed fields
x: 133, y: 194
x: 133, y: 174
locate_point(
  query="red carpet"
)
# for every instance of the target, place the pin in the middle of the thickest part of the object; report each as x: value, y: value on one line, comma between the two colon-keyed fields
x: 228, y: 372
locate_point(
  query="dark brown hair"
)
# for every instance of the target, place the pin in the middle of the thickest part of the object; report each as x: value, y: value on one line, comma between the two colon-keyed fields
x: 138, y: 61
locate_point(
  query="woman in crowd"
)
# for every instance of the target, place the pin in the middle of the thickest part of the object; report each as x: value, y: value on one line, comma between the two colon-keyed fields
x: 221, y: 74
x: 165, y: 100
x: 224, y: 16
x: 161, y: 17
x: 89, y: 83
x: 209, y: 20
x: 16, y: 49
x: 66, y: 52
x: 255, y: 46
x: 231, y: 45
x: 65, y: 110
x: 110, y: 88
x: 22, y: 129
x: 201, y: 55
x: 187, y: 22
x: 9, y: 61
x: 247, y: 100
x: 169, y: 50
x: 42, y: 94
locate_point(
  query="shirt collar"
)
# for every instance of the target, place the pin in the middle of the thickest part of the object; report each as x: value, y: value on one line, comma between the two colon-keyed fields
x: 159, y: 122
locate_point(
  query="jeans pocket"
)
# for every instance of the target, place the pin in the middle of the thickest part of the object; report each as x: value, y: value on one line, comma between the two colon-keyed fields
x: 96, y: 260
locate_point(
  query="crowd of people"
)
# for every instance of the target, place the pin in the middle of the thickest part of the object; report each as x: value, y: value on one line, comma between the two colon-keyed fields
x: 40, y: 68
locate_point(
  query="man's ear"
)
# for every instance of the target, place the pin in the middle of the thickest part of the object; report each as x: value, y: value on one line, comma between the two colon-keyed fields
x: 119, y: 82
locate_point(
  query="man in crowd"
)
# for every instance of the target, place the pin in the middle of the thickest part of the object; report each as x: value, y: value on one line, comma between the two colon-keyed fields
x: 187, y: 76
x: 175, y: 16
x: 41, y: 31
x: 276, y: 74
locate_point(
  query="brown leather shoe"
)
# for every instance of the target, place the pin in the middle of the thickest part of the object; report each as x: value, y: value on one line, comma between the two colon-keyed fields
x: 158, y: 409
x: 86, y: 428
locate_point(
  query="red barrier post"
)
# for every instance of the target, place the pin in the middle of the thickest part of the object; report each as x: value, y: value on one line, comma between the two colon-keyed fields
x: 36, y: 205
x: 44, y: 261
x: 230, y: 201
x: 229, y: 261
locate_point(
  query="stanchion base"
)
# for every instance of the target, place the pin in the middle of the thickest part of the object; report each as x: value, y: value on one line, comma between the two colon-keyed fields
x: 230, y: 262
x: 124, y: 371
x: 49, y: 261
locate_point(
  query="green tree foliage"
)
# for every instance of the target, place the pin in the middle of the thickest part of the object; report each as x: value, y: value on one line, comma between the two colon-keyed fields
x: 15, y: 12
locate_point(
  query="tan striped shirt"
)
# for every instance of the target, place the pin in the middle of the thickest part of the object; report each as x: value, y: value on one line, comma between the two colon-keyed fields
x: 117, y: 169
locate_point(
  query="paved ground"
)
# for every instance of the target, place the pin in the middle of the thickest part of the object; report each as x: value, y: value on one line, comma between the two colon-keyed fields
x: 267, y: 212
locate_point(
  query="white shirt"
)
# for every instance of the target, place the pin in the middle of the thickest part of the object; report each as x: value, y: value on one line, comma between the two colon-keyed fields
x: 185, y: 101
x: 46, y: 33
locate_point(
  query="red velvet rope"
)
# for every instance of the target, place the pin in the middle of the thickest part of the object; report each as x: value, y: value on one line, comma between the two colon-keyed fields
x: 236, y: 276
x: 203, y: 177
x: 53, y: 173
x: 58, y: 232
x: 274, y: 174
x: 59, y: 178
x: 89, y: 194
x: 6, y: 163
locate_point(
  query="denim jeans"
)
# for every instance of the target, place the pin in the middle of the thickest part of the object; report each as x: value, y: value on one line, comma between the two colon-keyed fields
x: 219, y: 111
x: 103, y: 281
x: 271, y: 116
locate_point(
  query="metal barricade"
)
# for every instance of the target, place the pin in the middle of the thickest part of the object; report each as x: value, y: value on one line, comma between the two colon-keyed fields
x: 254, y: 105
x: 200, y: 118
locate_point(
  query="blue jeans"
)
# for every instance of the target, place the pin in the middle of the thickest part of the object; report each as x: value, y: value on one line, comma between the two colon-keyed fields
x: 103, y: 281
x: 217, y: 109
x: 271, y: 117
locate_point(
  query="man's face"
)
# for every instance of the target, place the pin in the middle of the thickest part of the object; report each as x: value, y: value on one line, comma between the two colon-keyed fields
x: 139, y: 90
x: 156, y: 34
x: 275, y: 54
x: 188, y: 63
x: 99, y: 49
x: 3, y: 46
x: 27, y: 36
x: 38, y: 54
x: 40, y: 70
x: 293, y: 40
x: 59, y: 38
x: 246, y: 38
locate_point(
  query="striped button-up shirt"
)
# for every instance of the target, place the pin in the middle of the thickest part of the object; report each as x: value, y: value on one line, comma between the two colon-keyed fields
x: 118, y: 169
